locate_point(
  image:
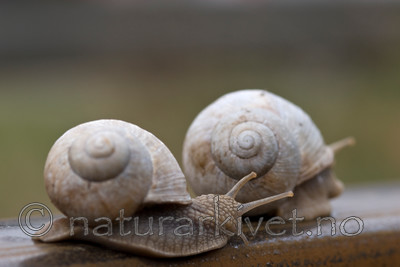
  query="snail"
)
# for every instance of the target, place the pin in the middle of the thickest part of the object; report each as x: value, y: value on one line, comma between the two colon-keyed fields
x: 255, y: 130
x: 110, y: 171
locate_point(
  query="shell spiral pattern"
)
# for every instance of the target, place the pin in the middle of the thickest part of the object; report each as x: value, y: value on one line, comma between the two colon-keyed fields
x: 252, y: 130
x: 99, y: 168
x: 99, y: 156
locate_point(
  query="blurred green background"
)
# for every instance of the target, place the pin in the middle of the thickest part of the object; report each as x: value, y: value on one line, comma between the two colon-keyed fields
x: 158, y: 64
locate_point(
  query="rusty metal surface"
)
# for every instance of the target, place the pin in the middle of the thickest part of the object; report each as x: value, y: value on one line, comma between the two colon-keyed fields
x: 378, y: 244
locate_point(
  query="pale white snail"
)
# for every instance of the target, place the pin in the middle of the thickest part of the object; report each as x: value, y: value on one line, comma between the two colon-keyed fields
x: 255, y: 130
x: 101, y: 168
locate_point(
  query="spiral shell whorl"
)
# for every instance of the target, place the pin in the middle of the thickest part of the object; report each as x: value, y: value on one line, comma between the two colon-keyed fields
x: 256, y: 140
x: 97, y: 169
x: 241, y: 146
x: 99, y: 156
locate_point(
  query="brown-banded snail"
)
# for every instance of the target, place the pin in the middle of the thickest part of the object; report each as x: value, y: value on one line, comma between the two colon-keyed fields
x: 100, y: 168
x: 255, y: 130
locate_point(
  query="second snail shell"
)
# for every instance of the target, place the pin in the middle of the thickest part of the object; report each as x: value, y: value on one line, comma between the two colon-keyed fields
x: 100, y: 167
x: 255, y: 130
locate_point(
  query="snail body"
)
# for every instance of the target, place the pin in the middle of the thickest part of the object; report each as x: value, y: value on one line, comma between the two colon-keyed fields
x: 102, y: 169
x: 255, y: 130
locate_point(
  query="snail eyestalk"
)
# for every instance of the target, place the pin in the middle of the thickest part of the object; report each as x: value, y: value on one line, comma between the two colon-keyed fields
x: 244, y: 238
x: 339, y: 145
x: 254, y: 204
x: 236, y: 188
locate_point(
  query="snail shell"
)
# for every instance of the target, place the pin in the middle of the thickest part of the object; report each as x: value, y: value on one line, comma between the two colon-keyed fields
x: 100, y: 167
x: 254, y: 130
